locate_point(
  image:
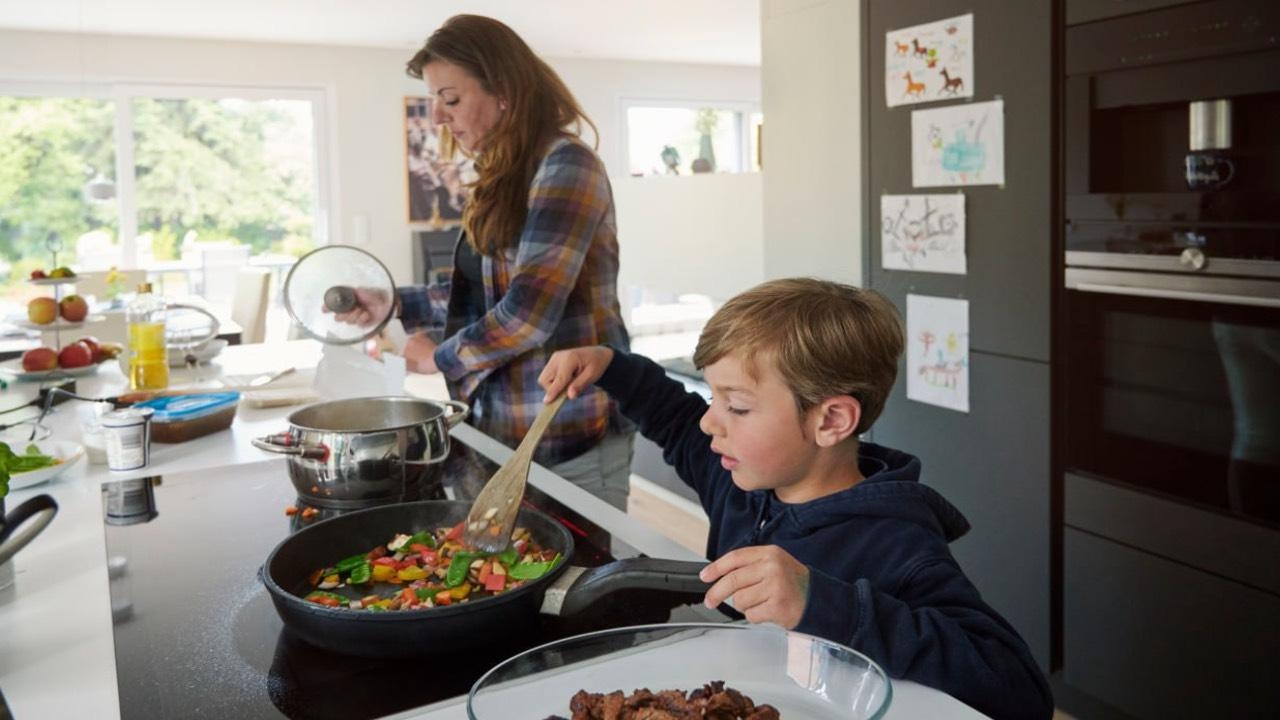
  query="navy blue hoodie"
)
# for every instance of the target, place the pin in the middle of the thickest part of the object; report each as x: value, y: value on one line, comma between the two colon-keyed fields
x: 881, y: 578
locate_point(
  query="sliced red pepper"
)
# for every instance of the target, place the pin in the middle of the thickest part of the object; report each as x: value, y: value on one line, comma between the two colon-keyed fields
x: 420, y: 548
x: 388, y: 560
x: 443, y: 598
x: 455, y: 532
x: 485, y: 570
x: 495, y: 582
x: 408, y: 596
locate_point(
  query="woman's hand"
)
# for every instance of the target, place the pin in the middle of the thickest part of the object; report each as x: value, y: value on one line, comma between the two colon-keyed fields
x: 766, y: 582
x: 420, y: 354
x: 574, y: 369
x: 371, y: 306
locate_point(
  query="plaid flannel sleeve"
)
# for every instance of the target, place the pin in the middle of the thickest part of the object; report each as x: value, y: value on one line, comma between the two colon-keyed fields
x: 568, y: 200
x: 423, y: 306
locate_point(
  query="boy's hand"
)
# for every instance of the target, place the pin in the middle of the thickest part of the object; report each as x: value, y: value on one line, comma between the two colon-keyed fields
x: 574, y: 369
x: 766, y: 582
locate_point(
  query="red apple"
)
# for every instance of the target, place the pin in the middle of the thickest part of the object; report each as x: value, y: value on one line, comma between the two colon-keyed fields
x: 42, y: 310
x: 38, y: 275
x: 39, y: 359
x: 94, y: 346
x: 75, y: 355
x: 73, y: 308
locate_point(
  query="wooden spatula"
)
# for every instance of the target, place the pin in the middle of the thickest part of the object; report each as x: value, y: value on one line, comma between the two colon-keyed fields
x: 493, y: 514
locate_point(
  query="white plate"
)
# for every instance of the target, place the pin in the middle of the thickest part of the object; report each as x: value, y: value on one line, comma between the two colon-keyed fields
x: 59, y: 324
x: 13, y: 368
x: 53, y: 281
x: 67, y: 452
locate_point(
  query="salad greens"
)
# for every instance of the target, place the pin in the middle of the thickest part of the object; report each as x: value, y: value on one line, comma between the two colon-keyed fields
x: 12, y: 463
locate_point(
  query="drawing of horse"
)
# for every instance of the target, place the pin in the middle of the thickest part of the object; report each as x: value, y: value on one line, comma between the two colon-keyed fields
x: 954, y: 85
x: 915, y: 89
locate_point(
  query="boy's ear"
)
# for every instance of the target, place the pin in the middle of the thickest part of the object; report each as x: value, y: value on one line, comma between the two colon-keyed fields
x: 837, y: 419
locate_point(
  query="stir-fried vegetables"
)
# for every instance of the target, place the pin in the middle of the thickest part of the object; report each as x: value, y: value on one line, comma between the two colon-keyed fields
x: 12, y: 463
x: 429, y: 569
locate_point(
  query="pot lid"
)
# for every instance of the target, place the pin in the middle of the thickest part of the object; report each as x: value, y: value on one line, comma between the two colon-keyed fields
x: 328, y: 283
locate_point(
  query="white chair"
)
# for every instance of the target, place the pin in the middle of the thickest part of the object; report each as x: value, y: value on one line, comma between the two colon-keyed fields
x: 250, y: 303
x: 219, y: 265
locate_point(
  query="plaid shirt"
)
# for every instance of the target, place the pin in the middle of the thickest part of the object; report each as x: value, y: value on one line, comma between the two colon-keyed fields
x: 555, y: 289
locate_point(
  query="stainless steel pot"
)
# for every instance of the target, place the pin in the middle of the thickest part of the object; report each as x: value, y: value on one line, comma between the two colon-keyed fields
x: 347, y: 453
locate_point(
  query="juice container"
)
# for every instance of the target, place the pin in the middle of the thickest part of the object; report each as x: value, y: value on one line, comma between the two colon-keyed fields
x: 148, y: 355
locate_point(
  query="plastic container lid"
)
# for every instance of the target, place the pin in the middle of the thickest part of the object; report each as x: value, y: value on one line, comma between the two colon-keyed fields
x: 181, y: 408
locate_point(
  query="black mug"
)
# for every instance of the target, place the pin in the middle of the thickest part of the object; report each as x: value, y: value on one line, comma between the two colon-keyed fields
x: 1208, y: 171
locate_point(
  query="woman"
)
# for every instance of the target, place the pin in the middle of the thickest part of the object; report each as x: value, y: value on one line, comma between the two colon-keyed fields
x: 535, y: 268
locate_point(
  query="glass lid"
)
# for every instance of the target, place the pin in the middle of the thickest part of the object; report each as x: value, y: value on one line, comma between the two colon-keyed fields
x: 339, y: 294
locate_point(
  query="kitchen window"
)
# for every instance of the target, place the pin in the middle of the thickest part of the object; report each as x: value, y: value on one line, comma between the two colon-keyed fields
x: 157, y: 178
x: 685, y: 138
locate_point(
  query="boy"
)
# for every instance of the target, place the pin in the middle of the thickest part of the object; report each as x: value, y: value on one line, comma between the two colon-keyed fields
x: 810, y: 529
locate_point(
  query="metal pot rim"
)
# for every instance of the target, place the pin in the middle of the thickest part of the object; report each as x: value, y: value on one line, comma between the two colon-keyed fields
x: 440, y: 408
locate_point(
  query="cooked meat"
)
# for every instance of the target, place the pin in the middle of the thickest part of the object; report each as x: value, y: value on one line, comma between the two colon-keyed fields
x: 712, y: 701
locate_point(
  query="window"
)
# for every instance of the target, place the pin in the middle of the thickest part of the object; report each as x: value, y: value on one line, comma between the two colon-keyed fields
x: 153, y: 177
x: 675, y: 138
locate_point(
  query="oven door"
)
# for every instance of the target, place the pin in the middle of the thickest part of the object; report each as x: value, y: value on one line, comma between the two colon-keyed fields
x: 1173, y: 386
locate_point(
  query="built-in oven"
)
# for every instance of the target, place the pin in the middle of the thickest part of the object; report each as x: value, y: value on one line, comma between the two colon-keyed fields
x: 1166, y: 359
x: 1170, y: 350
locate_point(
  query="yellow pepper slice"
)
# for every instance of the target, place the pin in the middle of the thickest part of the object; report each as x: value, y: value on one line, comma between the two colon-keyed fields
x: 410, y: 574
x: 383, y: 573
x: 460, y: 591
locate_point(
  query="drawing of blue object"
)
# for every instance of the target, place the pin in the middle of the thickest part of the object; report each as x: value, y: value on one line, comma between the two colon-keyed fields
x: 962, y: 156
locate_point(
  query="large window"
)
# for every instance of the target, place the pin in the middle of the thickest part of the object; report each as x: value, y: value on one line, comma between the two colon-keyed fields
x: 160, y: 179
x: 671, y: 138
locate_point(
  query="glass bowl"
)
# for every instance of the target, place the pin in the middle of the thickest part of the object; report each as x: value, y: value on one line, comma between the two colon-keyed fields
x: 802, y: 676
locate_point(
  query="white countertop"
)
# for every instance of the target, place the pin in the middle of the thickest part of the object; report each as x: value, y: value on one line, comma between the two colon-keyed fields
x: 57, y: 658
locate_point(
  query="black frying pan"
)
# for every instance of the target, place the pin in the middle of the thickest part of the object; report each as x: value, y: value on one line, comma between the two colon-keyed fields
x: 562, y: 591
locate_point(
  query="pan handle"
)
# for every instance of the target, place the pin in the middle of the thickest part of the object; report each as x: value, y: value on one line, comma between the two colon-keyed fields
x: 460, y: 412
x: 589, y: 586
x: 15, y: 532
x: 284, y: 444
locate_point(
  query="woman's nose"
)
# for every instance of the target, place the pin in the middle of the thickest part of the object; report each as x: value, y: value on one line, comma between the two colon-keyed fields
x: 437, y: 113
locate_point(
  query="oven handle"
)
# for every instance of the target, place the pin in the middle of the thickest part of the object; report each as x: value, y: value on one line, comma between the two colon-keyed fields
x: 1179, y: 295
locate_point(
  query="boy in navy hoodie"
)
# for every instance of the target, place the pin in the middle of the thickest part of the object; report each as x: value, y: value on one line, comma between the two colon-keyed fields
x: 810, y: 529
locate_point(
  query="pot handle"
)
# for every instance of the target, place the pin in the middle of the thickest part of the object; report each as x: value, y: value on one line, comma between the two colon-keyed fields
x: 13, y: 536
x: 589, y: 586
x: 460, y: 412
x: 284, y: 444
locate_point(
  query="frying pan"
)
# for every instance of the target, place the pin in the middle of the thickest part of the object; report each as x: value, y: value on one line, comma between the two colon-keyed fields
x: 562, y: 591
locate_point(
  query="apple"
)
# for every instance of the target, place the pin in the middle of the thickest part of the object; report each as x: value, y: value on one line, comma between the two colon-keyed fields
x: 39, y: 359
x: 38, y: 275
x: 73, y: 308
x: 42, y: 310
x: 94, y: 346
x: 75, y: 355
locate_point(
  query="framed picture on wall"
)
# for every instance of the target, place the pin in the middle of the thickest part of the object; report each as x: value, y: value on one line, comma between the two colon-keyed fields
x: 435, y: 176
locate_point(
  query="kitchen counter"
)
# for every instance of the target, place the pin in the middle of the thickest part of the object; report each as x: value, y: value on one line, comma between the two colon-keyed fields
x: 55, y: 620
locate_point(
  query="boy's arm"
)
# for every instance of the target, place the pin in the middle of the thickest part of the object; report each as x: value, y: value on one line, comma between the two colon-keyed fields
x: 665, y: 412
x: 936, y: 631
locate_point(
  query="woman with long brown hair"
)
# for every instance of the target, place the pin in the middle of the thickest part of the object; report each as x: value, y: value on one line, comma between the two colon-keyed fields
x: 536, y: 265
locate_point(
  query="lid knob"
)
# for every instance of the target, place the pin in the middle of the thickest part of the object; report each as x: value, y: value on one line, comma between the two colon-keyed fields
x: 340, y: 299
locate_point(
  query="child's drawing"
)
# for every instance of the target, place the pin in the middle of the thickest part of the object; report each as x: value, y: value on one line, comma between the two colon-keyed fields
x: 938, y: 351
x: 958, y: 145
x: 922, y: 232
x: 929, y: 62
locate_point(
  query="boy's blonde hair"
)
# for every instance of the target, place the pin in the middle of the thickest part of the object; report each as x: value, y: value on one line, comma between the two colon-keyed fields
x: 825, y: 338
